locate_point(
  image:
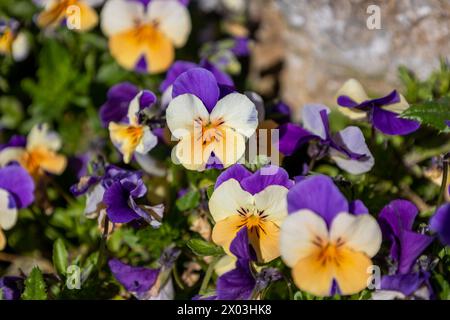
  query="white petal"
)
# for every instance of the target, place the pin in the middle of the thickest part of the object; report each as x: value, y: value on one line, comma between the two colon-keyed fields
x: 20, y: 47
x: 387, y: 295
x: 94, y: 199
x: 8, y: 213
x: 274, y: 203
x: 173, y: 19
x: 354, y: 90
x: 398, y: 107
x: 312, y: 120
x: 148, y: 141
x: 225, y: 264
x: 191, y: 155
x: 227, y: 199
x: 166, y: 293
x: 133, y: 109
x: 298, y: 231
x: 361, y: 232
x: 354, y: 140
x: 238, y: 112
x: 166, y: 97
x: 150, y: 165
x: 120, y: 15
x: 41, y: 136
x: 10, y: 154
x: 182, y: 113
x: 229, y: 150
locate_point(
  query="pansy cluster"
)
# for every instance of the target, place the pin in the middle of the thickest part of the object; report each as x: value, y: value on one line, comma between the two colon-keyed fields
x: 184, y: 185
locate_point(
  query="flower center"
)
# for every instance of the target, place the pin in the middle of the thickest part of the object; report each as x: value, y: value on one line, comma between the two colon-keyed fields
x: 329, y: 252
x: 210, y: 131
x: 146, y: 32
x: 32, y: 160
x: 253, y: 219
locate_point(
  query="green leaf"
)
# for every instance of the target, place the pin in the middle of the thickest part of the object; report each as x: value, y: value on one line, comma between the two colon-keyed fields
x: 189, y: 201
x: 432, y: 113
x: 204, y: 248
x: 60, y: 257
x: 209, y: 191
x: 35, y: 288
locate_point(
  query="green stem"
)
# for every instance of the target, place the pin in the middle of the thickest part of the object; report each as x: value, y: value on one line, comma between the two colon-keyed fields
x: 443, y: 189
x: 176, y: 276
x: 102, y: 250
x: 208, y: 276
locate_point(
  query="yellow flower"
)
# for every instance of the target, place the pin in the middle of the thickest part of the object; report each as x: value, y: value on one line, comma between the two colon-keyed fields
x: 13, y: 43
x: 319, y: 256
x: 143, y: 38
x: 79, y: 15
x: 39, y: 155
x: 233, y: 208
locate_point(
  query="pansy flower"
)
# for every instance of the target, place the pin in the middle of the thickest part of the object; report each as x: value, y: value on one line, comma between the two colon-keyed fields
x: 13, y: 42
x: 347, y: 147
x: 115, y: 109
x: 208, y: 123
x: 142, y: 34
x: 382, y: 113
x: 131, y: 135
x: 147, y: 283
x: 243, y: 283
x: 256, y: 201
x: 440, y: 223
x: 327, y: 241
x: 396, y: 220
x: 117, y: 192
x: 39, y: 155
x: 16, y: 192
x: 178, y: 67
x: 11, y: 287
x: 78, y: 15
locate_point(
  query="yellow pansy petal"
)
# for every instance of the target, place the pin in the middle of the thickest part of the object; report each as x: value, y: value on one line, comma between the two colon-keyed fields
x: 225, y: 231
x: 52, y: 15
x: 6, y: 41
x: 227, y: 199
x: 266, y: 241
x: 126, y: 49
x: 52, y: 162
x: 273, y: 201
x: 126, y: 138
x: 230, y: 147
x: 352, y: 273
x: 311, y: 275
x: 88, y: 17
x: 2, y: 240
x: 361, y: 232
x: 298, y: 232
x: 160, y: 53
x: 353, y: 89
x: 398, y: 107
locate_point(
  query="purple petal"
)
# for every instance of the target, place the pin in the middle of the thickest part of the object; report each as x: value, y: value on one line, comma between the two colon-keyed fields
x: 118, y: 99
x: 134, y: 279
x: 264, y: 177
x: 391, y: 98
x: 199, y: 82
x: 241, y: 47
x: 11, y: 287
x: 389, y: 123
x: 141, y: 65
x: 222, y: 78
x: 440, y: 223
x: 18, y: 183
x: 147, y: 99
x: 357, y: 207
x: 318, y: 194
x: 398, y: 215
x: 240, y: 246
x: 412, y: 244
x: 404, y: 283
x: 237, y: 284
x: 15, y: 141
x: 292, y: 137
x: 347, y: 102
x: 177, y: 68
x: 83, y: 185
x: 116, y: 200
x: 236, y: 171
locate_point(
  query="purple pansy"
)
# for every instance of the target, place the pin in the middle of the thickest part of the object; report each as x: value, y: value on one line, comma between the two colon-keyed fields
x: 118, y: 190
x: 347, y: 147
x: 258, y: 181
x: 179, y: 67
x: 440, y: 223
x: 15, y: 141
x: 145, y: 283
x: 405, y: 286
x: 115, y: 108
x: 11, y: 288
x: 382, y: 113
x: 309, y: 194
x: 396, y: 221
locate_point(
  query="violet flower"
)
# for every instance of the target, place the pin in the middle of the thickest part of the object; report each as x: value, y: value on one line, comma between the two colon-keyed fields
x: 16, y: 192
x: 11, y: 288
x: 117, y: 191
x: 440, y: 223
x: 347, y: 147
x: 382, y: 113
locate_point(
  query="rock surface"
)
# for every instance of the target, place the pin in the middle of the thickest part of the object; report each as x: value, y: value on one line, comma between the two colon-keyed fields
x: 317, y: 45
